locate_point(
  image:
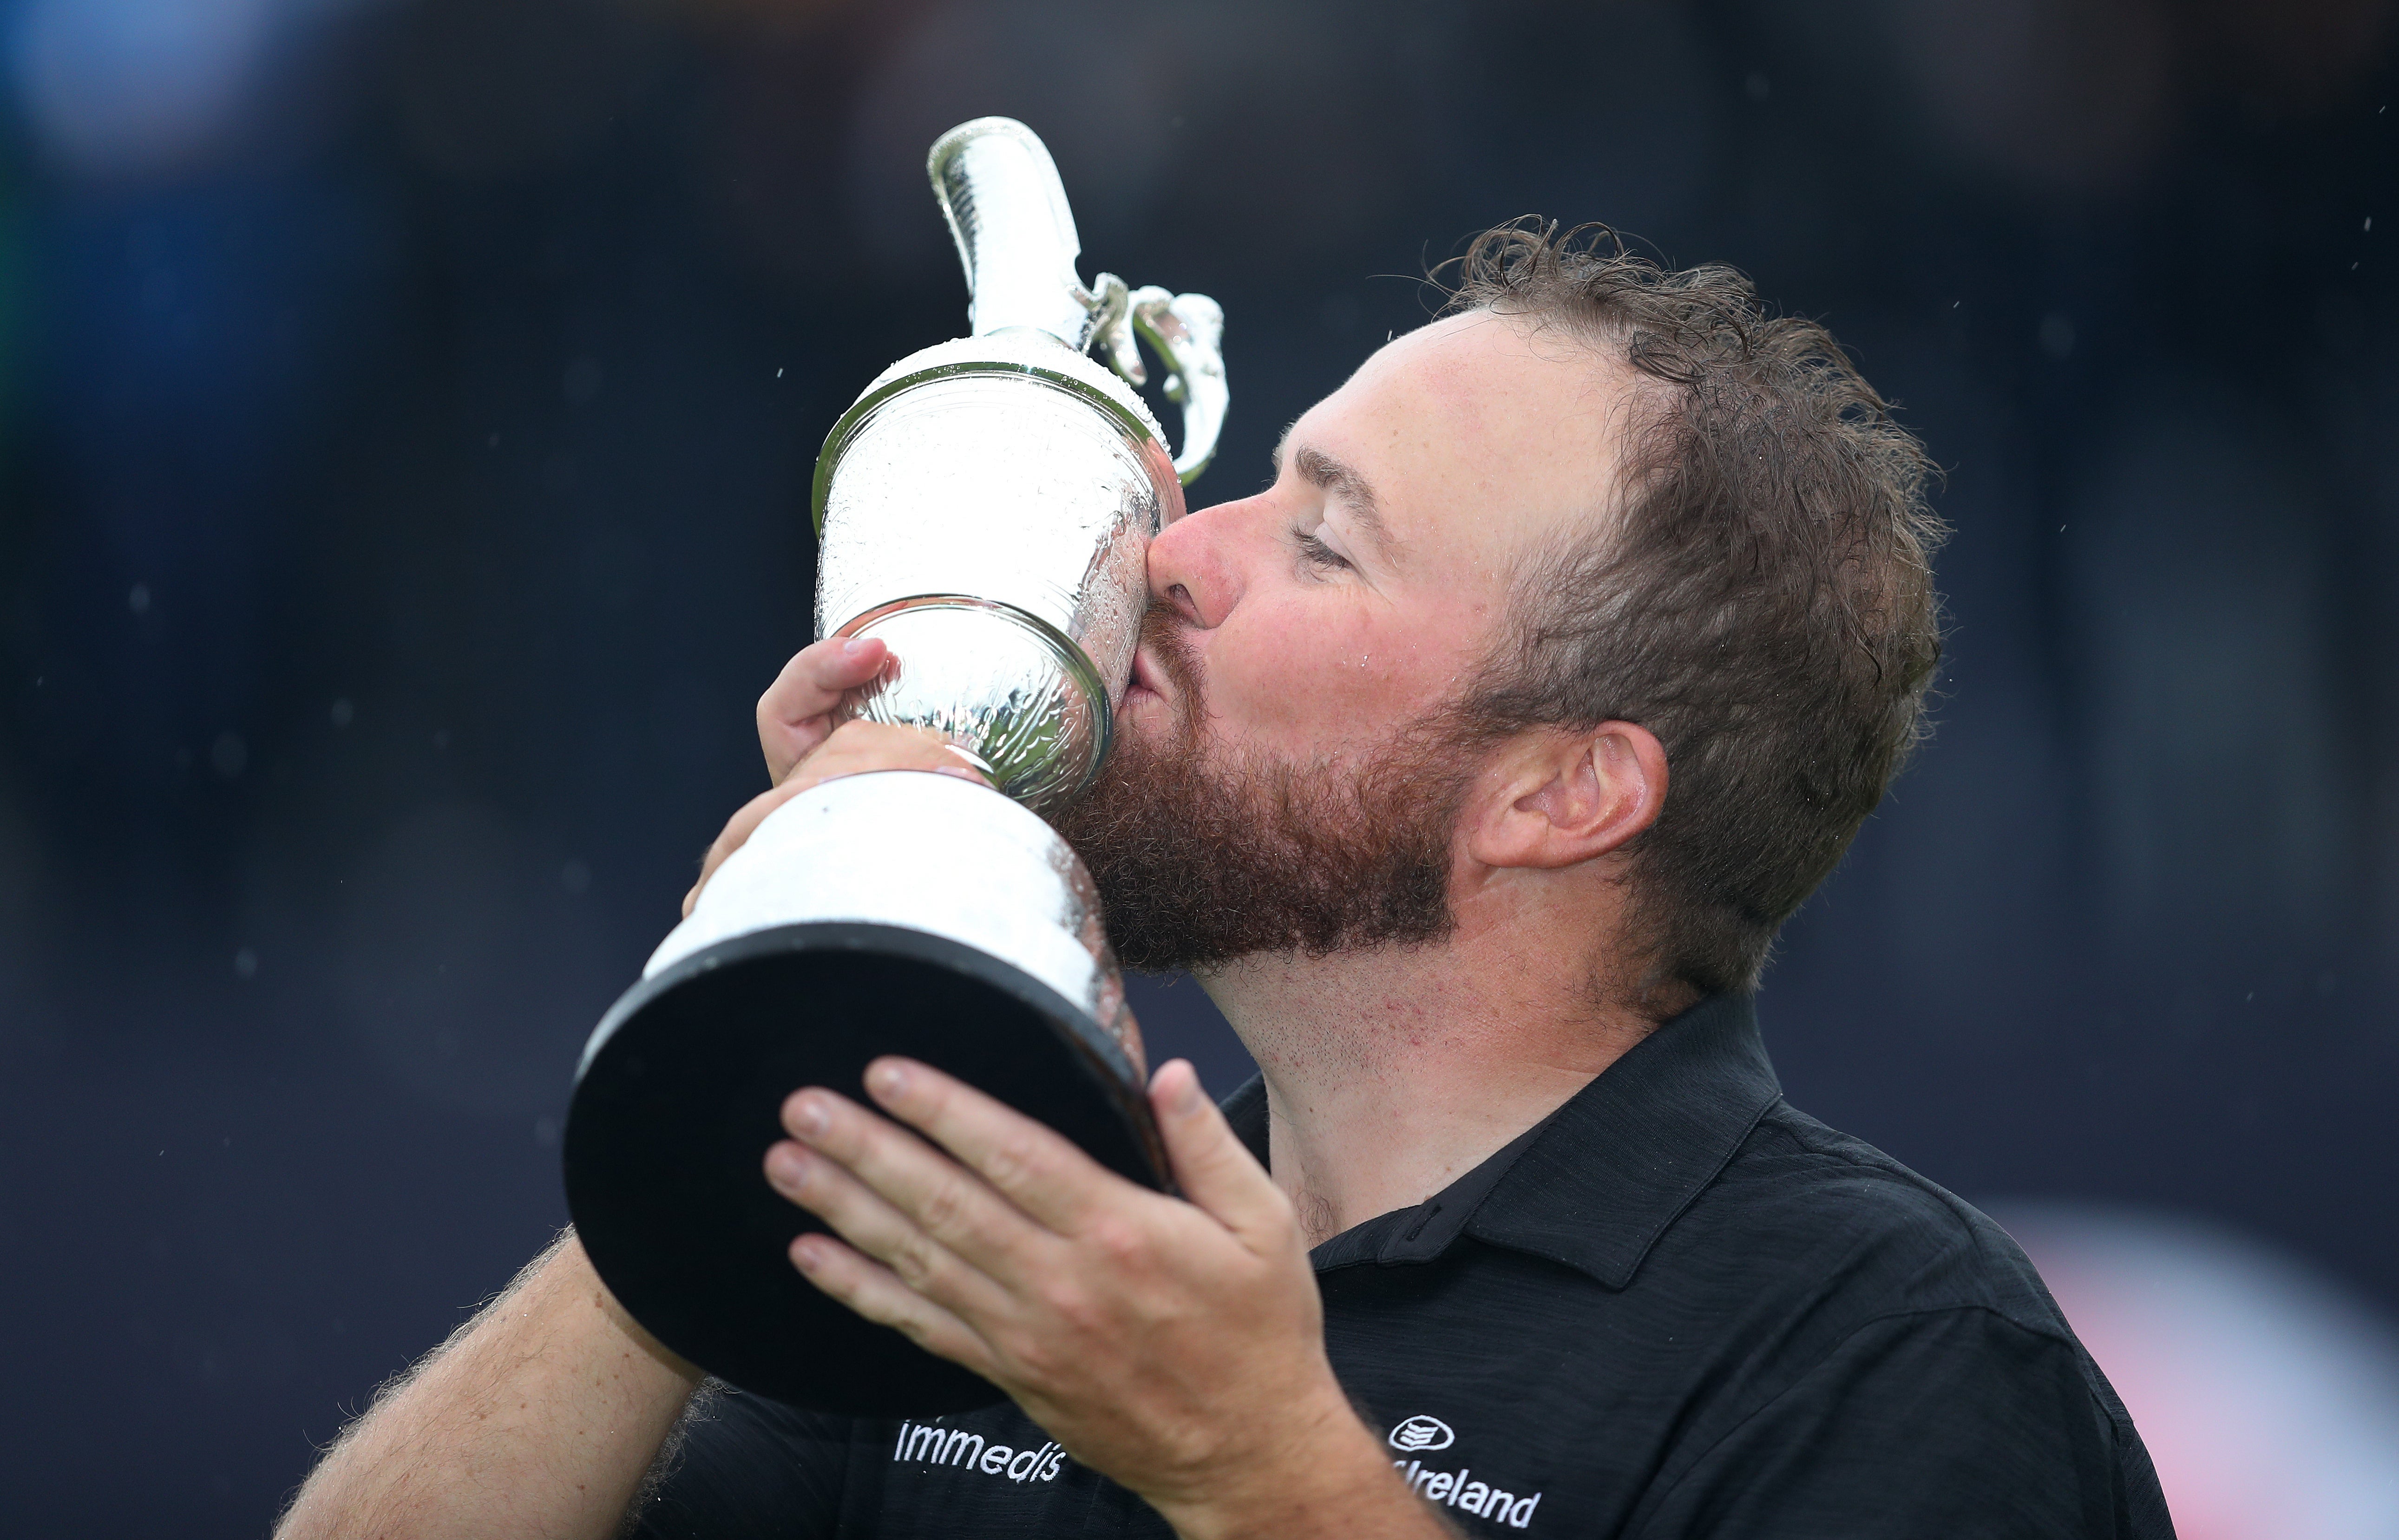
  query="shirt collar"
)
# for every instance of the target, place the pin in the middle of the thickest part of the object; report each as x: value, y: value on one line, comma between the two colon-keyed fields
x: 1595, y: 1183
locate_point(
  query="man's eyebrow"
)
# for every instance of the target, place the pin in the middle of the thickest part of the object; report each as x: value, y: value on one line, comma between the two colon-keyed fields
x: 1323, y: 471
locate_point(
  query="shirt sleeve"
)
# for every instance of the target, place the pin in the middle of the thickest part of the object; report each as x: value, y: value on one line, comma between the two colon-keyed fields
x: 1956, y: 1422
x: 748, y: 1468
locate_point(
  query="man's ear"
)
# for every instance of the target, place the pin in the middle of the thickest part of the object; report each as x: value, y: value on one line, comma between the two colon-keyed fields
x: 1555, y: 800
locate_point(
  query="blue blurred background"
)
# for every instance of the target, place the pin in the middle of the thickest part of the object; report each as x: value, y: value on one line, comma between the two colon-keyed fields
x: 405, y: 413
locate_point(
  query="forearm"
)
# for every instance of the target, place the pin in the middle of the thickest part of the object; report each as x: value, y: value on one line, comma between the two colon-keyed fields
x: 540, y: 1418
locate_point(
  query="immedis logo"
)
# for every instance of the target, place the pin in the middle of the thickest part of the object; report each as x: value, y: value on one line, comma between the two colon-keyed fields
x: 1420, y: 1433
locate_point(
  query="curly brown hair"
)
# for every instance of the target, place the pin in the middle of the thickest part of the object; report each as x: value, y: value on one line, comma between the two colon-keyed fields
x: 1763, y: 602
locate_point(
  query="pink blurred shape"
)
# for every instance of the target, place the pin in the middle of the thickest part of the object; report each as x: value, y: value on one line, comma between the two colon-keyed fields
x: 2267, y: 1396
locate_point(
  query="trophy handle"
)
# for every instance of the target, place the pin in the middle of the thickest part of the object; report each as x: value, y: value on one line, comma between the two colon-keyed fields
x: 1188, y: 332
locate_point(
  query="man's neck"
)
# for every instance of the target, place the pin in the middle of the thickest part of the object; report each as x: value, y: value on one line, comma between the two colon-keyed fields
x: 1391, y: 1073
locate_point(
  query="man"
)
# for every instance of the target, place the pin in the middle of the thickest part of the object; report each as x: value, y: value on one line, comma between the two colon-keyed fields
x: 1471, y: 766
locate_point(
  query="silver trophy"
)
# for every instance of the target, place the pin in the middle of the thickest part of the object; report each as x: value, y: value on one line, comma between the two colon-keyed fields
x: 985, y: 508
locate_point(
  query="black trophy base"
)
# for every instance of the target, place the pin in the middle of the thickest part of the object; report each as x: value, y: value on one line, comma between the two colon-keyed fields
x: 672, y: 1118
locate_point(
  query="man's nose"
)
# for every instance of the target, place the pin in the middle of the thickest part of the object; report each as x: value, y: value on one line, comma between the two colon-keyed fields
x: 1194, y: 563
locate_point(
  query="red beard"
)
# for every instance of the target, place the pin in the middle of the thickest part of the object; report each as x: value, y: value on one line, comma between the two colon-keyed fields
x: 1202, y: 856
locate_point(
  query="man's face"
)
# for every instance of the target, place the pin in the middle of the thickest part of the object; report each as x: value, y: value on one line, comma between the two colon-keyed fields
x: 1293, y: 762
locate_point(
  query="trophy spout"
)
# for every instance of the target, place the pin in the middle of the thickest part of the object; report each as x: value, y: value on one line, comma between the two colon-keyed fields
x: 1007, y: 209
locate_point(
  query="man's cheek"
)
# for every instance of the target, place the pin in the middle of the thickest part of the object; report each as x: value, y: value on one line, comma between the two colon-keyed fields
x: 1323, y: 696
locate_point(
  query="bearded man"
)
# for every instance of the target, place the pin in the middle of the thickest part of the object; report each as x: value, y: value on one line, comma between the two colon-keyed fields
x: 1471, y: 766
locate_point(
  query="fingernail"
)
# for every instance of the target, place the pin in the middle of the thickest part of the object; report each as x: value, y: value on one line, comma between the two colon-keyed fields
x: 786, y: 1165
x: 807, y: 1117
x: 855, y: 645
x: 808, y: 1251
x: 1190, y: 1099
x: 887, y: 1079
x: 962, y: 774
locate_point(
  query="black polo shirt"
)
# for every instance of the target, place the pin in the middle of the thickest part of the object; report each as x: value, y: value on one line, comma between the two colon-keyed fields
x: 1676, y: 1307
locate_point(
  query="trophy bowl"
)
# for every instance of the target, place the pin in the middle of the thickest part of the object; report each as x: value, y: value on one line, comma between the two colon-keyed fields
x: 985, y: 508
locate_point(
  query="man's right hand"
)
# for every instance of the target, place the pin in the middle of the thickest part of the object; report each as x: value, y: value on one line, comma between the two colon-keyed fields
x: 804, y: 748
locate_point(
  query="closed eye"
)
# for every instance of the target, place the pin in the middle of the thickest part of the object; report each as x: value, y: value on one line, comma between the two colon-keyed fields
x: 1318, y: 553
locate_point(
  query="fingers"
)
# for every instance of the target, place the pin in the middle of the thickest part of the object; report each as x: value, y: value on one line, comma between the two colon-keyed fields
x: 876, y: 1292
x: 1038, y: 1170
x: 861, y: 1217
x: 856, y: 749
x: 1213, y: 1166
x: 737, y: 830
x: 886, y: 1167
x: 792, y: 713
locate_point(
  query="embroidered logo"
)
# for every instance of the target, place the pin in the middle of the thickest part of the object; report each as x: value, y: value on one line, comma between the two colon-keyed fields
x: 949, y: 1446
x: 1457, y: 1489
x: 1420, y: 1433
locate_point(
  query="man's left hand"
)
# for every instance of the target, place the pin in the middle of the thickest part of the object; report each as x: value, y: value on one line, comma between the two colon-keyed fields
x: 1174, y: 1346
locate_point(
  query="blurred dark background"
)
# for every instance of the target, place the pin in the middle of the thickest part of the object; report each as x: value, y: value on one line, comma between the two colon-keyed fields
x: 405, y: 413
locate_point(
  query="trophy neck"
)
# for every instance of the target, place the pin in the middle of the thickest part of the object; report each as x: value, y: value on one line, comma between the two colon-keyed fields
x: 1020, y: 696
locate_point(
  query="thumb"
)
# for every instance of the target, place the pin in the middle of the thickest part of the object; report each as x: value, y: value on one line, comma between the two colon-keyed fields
x: 1211, y: 1166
